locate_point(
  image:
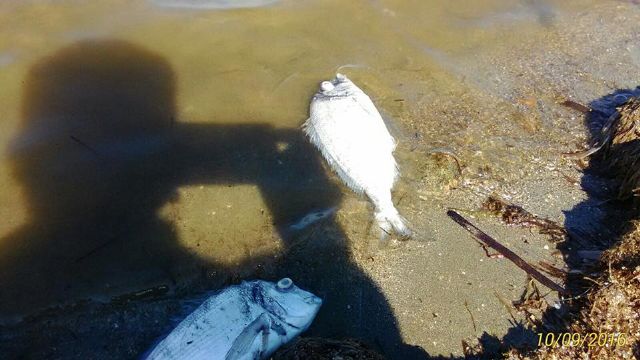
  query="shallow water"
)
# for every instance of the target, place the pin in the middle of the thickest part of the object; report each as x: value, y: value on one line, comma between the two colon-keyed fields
x: 157, y: 142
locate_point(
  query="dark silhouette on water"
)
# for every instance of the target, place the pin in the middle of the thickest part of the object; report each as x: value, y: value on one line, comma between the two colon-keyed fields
x: 100, y: 151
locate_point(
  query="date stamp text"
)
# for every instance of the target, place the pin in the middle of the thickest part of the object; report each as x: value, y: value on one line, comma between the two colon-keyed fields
x: 578, y: 340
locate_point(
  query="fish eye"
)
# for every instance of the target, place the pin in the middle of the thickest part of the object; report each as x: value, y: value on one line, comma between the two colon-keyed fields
x: 326, y: 86
x: 284, y: 284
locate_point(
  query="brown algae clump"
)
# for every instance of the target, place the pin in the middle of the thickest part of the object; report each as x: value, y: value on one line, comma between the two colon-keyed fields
x: 612, y: 309
x: 621, y: 148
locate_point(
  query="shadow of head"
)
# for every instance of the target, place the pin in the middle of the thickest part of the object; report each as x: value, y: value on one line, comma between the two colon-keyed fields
x: 95, y: 116
x: 92, y: 154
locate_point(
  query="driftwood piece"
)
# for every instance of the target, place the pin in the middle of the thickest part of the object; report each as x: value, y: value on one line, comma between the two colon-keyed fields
x: 521, y: 263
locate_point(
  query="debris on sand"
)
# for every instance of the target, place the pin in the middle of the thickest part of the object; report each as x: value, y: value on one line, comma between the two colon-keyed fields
x: 473, y: 320
x: 612, y: 308
x: 531, y: 304
x: 318, y: 348
x: 483, y: 237
x: 619, y: 148
x: 515, y: 215
x: 609, y: 311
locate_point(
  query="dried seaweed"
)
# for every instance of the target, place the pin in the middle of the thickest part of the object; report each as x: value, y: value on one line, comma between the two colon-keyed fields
x: 532, y: 304
x: 621, y: 151
x: 516, y: 215
x: 576, y: 106
x: 612, y: 307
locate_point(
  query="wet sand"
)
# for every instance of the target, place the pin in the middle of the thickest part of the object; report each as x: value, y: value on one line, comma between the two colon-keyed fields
x: 197, y: 184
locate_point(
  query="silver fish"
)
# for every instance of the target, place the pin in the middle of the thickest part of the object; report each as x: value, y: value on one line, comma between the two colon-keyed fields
x: 247, y: 321
x: 346, y: 127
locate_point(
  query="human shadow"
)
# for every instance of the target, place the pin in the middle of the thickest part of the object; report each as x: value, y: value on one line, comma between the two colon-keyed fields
x: 100, y: 151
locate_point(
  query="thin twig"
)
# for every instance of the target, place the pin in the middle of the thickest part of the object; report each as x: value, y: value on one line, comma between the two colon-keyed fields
x: 473, y: 321
x: 506, y: 305
x: 576, y: 106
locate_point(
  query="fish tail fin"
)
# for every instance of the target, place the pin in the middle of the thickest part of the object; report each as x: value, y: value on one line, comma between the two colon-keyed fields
x: 390, y: 221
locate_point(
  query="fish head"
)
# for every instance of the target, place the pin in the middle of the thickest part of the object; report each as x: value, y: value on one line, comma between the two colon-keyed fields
x: 289, y: 303
x: 338, y: 86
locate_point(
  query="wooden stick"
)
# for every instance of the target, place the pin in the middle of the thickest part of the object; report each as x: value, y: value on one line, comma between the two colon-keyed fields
x: 480, y: 235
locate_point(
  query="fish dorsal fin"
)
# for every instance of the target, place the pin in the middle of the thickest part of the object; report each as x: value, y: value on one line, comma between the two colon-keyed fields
x: 243, y: 342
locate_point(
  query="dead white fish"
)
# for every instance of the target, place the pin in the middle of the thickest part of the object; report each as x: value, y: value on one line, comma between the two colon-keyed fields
x: 312, y: 218
x: 346, y: 127
x: 247, y: 321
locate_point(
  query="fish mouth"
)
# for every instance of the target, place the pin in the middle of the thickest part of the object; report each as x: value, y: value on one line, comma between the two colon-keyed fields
x: 297, y: 319
x: 313, y: 300
x: 303, y: 320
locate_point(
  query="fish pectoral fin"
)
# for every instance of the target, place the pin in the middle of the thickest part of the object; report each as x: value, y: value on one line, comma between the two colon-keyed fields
x: 279, y: 329
x: 242, y: 344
